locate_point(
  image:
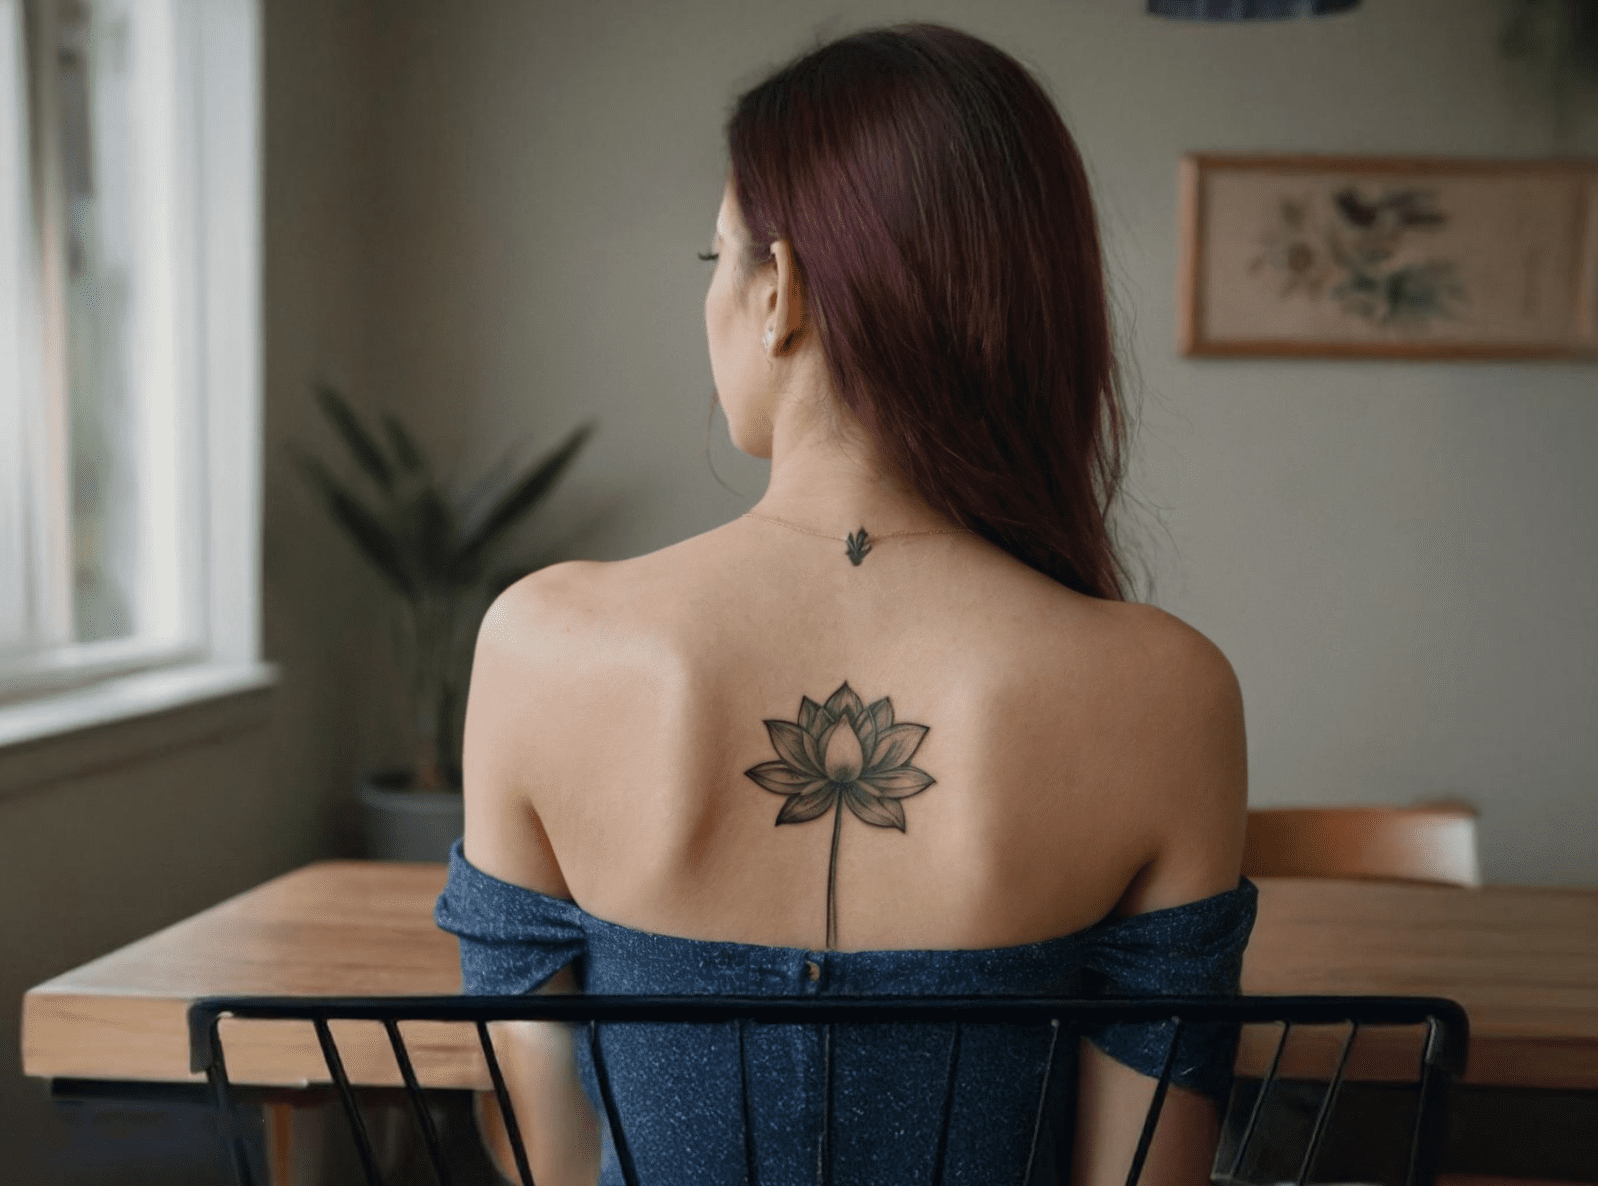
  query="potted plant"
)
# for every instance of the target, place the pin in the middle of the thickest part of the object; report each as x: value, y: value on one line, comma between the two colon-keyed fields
x: 438, y: 559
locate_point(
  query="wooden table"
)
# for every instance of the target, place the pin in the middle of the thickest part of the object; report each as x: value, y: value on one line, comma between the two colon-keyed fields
x: 1523, y: 962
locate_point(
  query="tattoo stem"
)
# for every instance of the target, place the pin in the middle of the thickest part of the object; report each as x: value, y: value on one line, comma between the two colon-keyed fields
x: 832, y: 879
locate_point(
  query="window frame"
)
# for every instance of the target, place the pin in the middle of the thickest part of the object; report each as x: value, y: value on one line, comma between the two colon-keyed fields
x: 218, y: 182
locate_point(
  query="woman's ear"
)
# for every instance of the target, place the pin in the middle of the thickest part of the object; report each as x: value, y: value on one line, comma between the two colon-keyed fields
x: 786, y: 313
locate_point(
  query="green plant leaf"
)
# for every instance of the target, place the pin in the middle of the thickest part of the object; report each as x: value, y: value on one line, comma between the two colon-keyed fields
x: 520, y: 499
x: 483, y: 488
x: 429, y: 529
x: 359, y: 442
x: 404, y: 448
x: 366, y: 530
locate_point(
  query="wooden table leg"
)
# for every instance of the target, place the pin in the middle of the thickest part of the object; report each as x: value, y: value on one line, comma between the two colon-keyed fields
x: 279, y: 1142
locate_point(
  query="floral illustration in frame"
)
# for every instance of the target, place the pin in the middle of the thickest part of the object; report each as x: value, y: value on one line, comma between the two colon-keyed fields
x: 1418, y: 257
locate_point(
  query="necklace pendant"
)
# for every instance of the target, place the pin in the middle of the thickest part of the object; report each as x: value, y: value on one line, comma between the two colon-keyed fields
x: 858, y: 544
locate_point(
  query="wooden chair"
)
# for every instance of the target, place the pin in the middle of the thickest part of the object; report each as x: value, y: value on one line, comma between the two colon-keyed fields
x: 1431, y: 842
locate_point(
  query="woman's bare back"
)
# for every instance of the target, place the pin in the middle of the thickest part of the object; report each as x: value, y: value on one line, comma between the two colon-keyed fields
x: 721, y: 740
x: 1086, y: 755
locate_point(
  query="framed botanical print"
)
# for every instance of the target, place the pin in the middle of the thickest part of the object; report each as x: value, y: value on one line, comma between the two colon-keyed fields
x: 1409, y: 257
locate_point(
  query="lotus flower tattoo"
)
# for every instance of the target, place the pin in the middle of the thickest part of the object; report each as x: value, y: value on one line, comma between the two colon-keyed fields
x: 843, y: 753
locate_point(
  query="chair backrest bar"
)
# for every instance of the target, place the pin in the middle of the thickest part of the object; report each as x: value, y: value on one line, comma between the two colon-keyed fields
x: 946, y: 1113
x: 512, y: 1131
x: 1043, y: 1097
x: 1152, y: 1117
x: 1427, y: 1135
x: 352, y: 1111
x: 1441, y: 1060
x: 751, y: 1173
x: 413, y: 1091
x: 624, y: 1157
x: 1259, y: 1100
x: 1430, y: 843
x: 1324, y: 1112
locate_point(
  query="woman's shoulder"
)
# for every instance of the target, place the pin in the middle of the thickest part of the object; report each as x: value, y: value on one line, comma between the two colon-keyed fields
x: 561, y: 604
x: 583, y: 637
x: 1136, y: 654
x: 567, y: 597
x: 1165, y: 656
x: 1184, y: 702
x: 1132, y: 652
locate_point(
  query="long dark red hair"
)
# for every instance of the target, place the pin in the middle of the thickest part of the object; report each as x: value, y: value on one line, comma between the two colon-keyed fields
x: 940, y: 218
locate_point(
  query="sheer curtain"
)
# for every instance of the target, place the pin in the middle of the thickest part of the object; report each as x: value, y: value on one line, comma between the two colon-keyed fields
x: 34, y: 587
x: 129, y: 368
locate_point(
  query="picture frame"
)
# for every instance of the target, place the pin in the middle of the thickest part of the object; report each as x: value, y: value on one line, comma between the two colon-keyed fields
x: 1394, y: 257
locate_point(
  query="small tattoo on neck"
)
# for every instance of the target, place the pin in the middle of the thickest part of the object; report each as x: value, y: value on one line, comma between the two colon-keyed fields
x: 859, y: 544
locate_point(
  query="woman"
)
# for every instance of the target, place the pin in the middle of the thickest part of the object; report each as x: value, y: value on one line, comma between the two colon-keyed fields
x: 895, y: 730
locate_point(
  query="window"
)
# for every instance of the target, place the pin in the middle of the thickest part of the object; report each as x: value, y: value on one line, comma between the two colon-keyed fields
x: 129, y: 348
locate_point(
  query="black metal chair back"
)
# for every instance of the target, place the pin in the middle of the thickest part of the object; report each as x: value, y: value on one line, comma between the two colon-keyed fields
x: 1441, y: 1059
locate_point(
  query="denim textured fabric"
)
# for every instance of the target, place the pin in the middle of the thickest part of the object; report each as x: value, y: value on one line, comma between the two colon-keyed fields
x: 677, y: 1087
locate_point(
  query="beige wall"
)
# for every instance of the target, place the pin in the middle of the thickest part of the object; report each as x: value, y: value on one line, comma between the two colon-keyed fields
x: 1399, y: 558
x: 483, y: 215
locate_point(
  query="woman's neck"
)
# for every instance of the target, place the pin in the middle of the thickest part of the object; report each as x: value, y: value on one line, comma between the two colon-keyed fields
x: 826, y: 476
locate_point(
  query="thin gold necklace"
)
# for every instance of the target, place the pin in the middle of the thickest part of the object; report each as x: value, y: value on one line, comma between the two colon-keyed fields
x: 858, y: 544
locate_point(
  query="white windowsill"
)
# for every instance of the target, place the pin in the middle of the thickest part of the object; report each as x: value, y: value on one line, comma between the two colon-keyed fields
x: 75, y: 733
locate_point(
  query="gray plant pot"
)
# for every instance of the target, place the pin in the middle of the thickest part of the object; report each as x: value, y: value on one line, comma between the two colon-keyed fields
x: 402, y: 825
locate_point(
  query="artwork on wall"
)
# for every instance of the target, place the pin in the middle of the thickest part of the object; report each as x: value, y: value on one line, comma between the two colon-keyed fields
x: 1417, y: 257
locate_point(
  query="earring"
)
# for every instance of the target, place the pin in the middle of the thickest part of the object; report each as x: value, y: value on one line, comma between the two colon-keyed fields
x: 767, y: 339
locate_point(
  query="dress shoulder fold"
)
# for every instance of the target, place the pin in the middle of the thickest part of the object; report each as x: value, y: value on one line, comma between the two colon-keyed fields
x: 512, y: 939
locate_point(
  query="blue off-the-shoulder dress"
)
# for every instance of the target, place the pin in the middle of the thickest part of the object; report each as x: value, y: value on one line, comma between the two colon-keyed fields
x: 677, y: 1088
